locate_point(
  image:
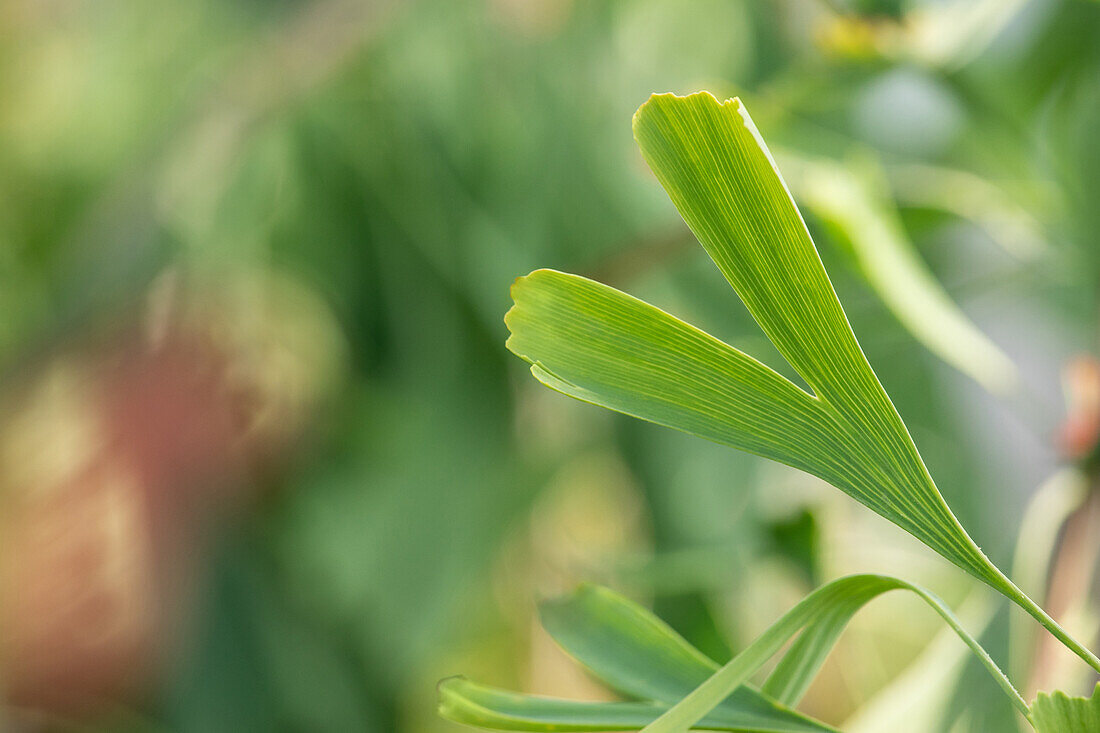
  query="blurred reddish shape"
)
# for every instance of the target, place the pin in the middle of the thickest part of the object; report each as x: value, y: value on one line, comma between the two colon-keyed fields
x: 115, y: 460
x: 95, y: 556
x: 1080, y: 433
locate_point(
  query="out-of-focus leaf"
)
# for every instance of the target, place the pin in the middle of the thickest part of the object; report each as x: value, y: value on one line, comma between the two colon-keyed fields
x: 602, y: 346
x: 639, y: 655
x: 1057, y: 712
x: 624, y: 645
x: 975, y: 199
x: 635, y: 653
x: 472, y: 704
x: 946, y: 35
x: 851, y: 200
x: 953, y: 34
x: 828, y: 610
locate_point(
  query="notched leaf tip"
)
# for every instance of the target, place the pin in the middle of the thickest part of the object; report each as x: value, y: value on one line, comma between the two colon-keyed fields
x: 510, y: 316
x: 658, y: 97
x: 521, y: 282
x: 516, y: 291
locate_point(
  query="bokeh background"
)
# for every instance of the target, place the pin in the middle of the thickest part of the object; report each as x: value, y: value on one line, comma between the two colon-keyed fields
x: 265, y: 463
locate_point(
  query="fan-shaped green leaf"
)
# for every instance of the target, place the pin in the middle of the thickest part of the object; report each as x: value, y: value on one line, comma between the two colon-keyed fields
x: 718, y: 172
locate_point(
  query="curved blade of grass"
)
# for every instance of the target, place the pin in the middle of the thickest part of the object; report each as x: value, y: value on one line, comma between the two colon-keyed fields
x: 1059, y: 713
x: 839, y: 600
x: 852, y: 202
x: 604, y: 347
x: 637, y: 654
x: 469, y: 703
x: 791, y: 678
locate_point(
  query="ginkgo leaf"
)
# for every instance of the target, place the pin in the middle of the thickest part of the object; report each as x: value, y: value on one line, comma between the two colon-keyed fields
x: 463, y: 701
x: 828, y: 609
x: 1057, y: 712
x: 718, y: 172
x: 602, y: 346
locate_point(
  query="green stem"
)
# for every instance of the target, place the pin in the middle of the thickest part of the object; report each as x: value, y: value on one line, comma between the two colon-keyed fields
x: 1059, y: 633
x: 1023, y: 601
x: 983, y: 568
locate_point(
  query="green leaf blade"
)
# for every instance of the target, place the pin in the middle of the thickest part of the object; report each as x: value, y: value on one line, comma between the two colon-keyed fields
x: 633, y: 652
x: 625, y: 646
x: 637, y: 654
x: 602, y: 346
x: 469, y: 703
x: 719, y: 173
x: 714, y: 165
x: 791, y: 678
x: 463, y: 701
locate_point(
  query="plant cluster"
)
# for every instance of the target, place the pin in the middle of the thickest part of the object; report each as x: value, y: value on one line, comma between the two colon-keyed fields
x: 599, y: 345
